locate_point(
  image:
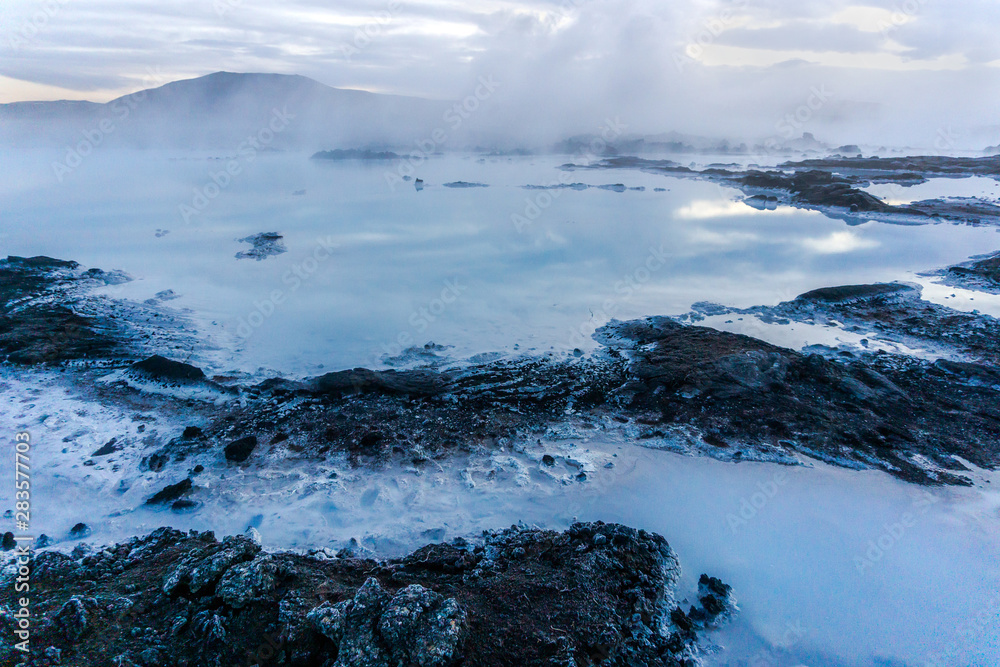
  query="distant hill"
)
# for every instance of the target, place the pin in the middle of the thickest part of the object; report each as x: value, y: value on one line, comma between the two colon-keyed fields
x: 221, y: 110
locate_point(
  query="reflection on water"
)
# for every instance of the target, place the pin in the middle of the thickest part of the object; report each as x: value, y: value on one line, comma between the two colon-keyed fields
x: 824, y: 575
x: 374, y: 267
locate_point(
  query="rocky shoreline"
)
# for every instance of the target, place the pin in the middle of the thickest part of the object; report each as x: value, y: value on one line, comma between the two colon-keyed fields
x: 664, y: 383
x: 980, y: 274
x: 595, y: 594
x: 834, y: 185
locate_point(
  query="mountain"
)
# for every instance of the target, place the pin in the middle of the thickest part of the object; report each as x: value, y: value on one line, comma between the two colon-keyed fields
x: 222, y: 110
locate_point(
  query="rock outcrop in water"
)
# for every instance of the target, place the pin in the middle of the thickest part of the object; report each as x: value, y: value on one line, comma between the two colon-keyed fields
x: 664, y: 383
x: 658, y: 382
x: 37, y: 321
x: 48, y: 315
x: 981, y: 274
x: 924, y: 165
x: 835, y: 185
x: 262, y: 246
x: 595, y: 594
x: 355, y: 154
x: 905, y: 416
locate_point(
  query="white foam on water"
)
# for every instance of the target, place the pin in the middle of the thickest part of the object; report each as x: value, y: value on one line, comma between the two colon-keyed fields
x: 846, y: 567
x: 835, y: 567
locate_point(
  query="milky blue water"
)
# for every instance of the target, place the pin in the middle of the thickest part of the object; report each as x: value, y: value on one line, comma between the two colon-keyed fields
x: 374, y: 266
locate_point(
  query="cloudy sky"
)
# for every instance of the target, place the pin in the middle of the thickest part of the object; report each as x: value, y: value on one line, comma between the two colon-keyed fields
x: 904, y: 70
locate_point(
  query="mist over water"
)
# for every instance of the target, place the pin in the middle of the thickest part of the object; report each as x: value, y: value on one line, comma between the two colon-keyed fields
x: 374, y: 266
x: 178, y: 144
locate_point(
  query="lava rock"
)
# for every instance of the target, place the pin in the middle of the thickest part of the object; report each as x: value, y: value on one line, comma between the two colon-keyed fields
x: 246, y: 582
x: 415, y: 626
x: 171, y: 492
x: 240, y: 450
x: 166, y: 370
x: 263, y: 245
x: 108, y: 448
x: 80, y: 531
x: 71, y: 619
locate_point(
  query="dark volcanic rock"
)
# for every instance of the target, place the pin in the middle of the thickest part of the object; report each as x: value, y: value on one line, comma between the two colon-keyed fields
x: 525, y: 598
x: 171, y: 492
x: 936, y: 165
x: 240, y: 450
x: 166, y: 370
x: 36, y: 325
x: 970, y: 209
x: 818, y: 188
x: 355, y: 154
x: 421, y: 414
x: 836, y: 183
x: 877, y: 410
x: 854, y: 293
x: 362, y: 380
x: 71, y: 619
x: 983, y: 274
x: 80, y: 531
x: 716, y: 603
x: 415, y: 626
x: 110, y: 447
x: 465, y: 184
x: 727, y: 395
x: 263, y: 245
x: 896, y: 312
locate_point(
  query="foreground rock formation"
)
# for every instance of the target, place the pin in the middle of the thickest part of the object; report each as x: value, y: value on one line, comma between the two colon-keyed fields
x: 595, y: 594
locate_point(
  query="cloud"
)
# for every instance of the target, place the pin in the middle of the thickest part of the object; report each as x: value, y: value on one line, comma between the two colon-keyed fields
x: 730, y: 238
x: 705, y: 209
x: 566, y: 65
x: 806, y: 36
x: 838, y: 243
